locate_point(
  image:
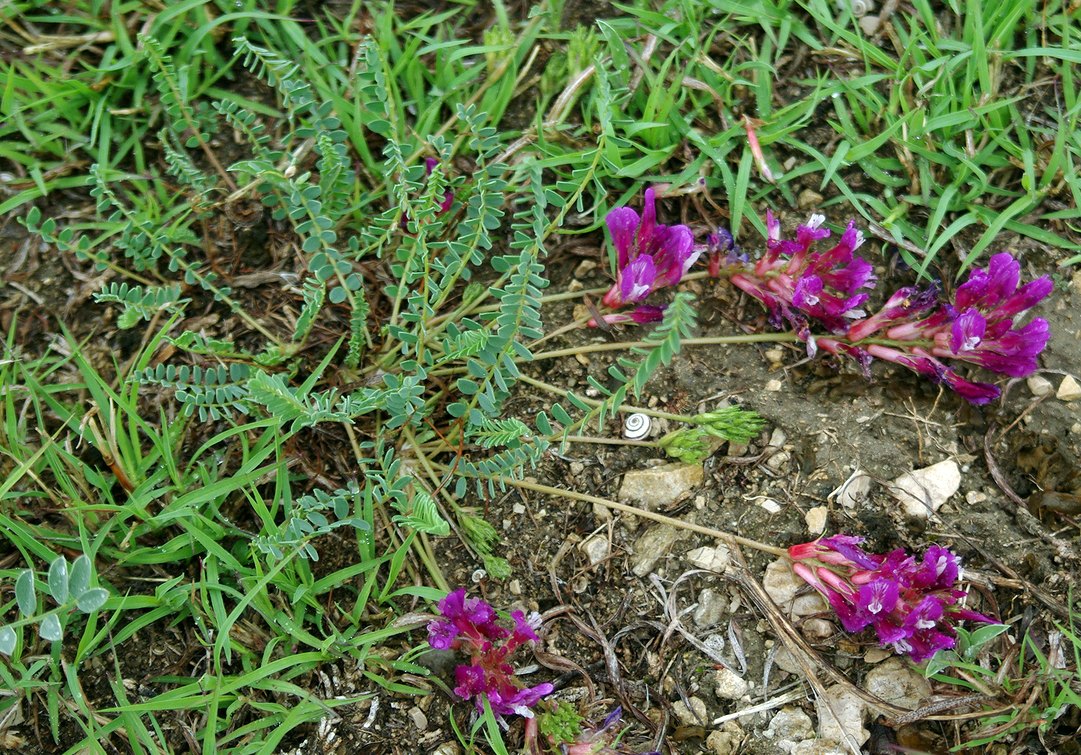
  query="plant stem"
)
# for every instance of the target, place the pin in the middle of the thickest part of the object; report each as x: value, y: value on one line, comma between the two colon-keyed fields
x: 706, y: 341
x: 726, y: 537
x: 625, y: 408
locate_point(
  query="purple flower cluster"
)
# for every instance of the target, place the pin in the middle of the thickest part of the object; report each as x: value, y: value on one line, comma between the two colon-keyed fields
x: 796, y: 283
x: 469, y: 626
x: 911, y: 603
x: 915, y: 328
x: 977, y: 327
x: 649, y: 256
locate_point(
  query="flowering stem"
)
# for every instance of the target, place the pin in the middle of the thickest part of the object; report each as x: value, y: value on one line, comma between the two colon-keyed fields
x: 708, y: 341
x: 726, y: 537
x: 624, y: 408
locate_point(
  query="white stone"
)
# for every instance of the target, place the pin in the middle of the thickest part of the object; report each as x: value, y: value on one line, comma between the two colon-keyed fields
x: 773, y: 386
x: 785, y: 660
x: 973, y: 497
x: 877, y: 655
x: 869, y: 24
x: 840, y: 716
x: 896, y: 682
x: 852, y: 491
x: 419, y: 719
x: 808, y: 605
x: 1068, y: 389
x: 789, y: 726
x: 711, y: 608
x: 819, y: 747
x: 779, y: 461
x: 727, y: 740
x: 653, y: 545
x: 710, y: 558
x: 781, y: 584
x: 771, y: 506
x: 661, y: 486
x: 923, y: 491
x: 596, y: 547
x: 695, y: 715
x: 1039, y: 386
x: 778, y: 437
x: 729, y: 684
x: 816, y: 519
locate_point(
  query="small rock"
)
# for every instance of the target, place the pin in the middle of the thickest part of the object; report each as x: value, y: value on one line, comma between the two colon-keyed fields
x: 418, y: 718
x: 852, y: 491
x: 816, y: 519
x: 778, y: 437
x: 877, y: 655
x: 596, y: 547
x: 789, y: 726
x: 771, y: 506
x: 785, y: 660
x: 774, y: 356
x: 809, y: 199
x: 729, y: 684
x: 695, y: 715
x: 819, y: 747
x: 661, y: 486
x: 779, y: 461
x: 1039, y: 386
x: 973, y: 497
x: 869, y: 24
x: 774, y: 386
x: 447, y: 748
x: 585, y: 267
x: 781, y: 584
x: 923, y: 491
x: 736, y: 450
x: 711, y: 608
x: 711, y: 559
x: 1075, y: 283
x: 515, y: 587
x: 808, y: 605
x: 727, y: 740
x: 895, y: 682
x: 602, y: 512
x: 1068, y: 389
x: 840, y: 716
x: 653, y: 545
x: 1075, y: 428
x: 577, y: 468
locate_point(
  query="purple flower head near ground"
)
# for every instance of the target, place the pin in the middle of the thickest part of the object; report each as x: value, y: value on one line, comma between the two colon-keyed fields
x: 469, y: 626
x: 795, y: 282
x: 912, y: 604
x: 649, y: 256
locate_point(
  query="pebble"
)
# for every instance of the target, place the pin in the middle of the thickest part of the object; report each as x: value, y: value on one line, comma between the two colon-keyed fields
x: 781, y: 584
x: 789, y: 726
x: 973, y: 497
x: 694, y: 715
x: 854, y: 490
x: 585, y: 267
x: 778, y: 437
x: 659, y: 487
x: 653, y: 545
x: 727, y: 740
x: 869, y: 24
x: 596, y: 547
x: 1075, y: 283
x: 775, y: 357
x: 419, y: 719
x: 923, y: 491
x: 809, y: 199
x: 818, y: 747
x: 779, y: 461
x: 577, y: 468
x: 774, y: 386
x: 896, y: 682
x: 515, y: 587
x: 1039, y: 386
x: 711, y: 608
x: 771, y: 506
x: 816, y: 519
x: 518, y: 508
x: 840, y: 713
x: 1068, y: 389
x: 877, y: 655
x: 710, y: 559
x: 729, y: 685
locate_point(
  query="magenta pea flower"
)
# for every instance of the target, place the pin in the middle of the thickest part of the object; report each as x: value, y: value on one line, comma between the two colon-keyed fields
x: 470, y: 626
x: 649, y: 256
x: 912, y: 604
x: 795, y: 282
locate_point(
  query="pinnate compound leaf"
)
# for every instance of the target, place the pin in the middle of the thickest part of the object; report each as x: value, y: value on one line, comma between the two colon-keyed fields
x: 49, y: 629
x: 25, y: 595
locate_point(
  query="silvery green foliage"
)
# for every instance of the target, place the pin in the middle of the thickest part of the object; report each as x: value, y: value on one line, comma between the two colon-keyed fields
x: 71, y: 590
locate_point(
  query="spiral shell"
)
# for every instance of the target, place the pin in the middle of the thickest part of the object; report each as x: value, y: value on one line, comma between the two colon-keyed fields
x: 636, y: 427
x: 861, y: 8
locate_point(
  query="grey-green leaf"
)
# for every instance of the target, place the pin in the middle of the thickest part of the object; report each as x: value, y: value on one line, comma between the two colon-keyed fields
x: 58, y: 580
x: 8, y: 638
x: 25, y: 595
x: 80, y: 576
x: 49, y: 629
x: 92, y: 600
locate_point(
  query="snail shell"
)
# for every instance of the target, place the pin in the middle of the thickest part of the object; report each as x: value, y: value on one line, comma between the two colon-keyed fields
x: 636, y: 427
x: 861, y: 8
